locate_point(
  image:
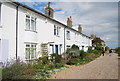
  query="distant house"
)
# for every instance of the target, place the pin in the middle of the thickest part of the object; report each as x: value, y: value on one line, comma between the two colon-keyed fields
x: 23, y: 30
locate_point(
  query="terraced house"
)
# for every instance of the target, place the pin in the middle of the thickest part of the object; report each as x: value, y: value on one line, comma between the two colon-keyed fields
x: 23, y: 29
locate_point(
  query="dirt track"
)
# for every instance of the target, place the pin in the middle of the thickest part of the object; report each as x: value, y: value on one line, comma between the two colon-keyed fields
x: 105, y: 67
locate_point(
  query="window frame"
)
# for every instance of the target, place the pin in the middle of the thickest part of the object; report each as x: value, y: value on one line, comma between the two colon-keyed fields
x: 32, y: 26
x: 31, y: 47
x: 68, y: 35
x: 57, y: 30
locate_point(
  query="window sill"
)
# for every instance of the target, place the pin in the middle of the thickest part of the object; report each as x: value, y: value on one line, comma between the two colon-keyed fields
x: 31, y: 31
x: 68, y: 39
x: 57, y: 35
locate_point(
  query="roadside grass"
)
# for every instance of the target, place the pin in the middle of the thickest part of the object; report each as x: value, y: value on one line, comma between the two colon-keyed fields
x: 0, y: 73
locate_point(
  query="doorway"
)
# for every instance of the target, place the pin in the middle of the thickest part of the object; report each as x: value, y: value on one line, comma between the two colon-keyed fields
x: 56, y: 49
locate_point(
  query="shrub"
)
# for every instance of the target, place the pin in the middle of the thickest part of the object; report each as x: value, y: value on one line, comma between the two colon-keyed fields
x: 43, y: 60
x: 89, y: 49
x: 68, y: 50
x: 75, y: 47
x: 73, y: 51
x: 95, y: 52
x: 56, y: 58
x: 30, y: 71
x: 98, y: 48
x: 82, y: 54
x: 70, y: 62
x: 15, y: 71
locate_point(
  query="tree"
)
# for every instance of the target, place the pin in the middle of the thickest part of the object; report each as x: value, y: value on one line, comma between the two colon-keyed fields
x: 98, y: 42
x: 117, y: 50
x: 107, y: 48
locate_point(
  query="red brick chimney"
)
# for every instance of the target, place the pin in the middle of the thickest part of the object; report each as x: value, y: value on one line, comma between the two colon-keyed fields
x: 69, y: 22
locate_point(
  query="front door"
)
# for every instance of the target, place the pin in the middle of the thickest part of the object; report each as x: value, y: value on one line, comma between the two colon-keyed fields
x: 83, y: 48
x: 56, y: 49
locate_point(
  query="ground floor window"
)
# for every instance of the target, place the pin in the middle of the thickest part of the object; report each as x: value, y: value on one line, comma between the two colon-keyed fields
x: 68, y: 46
x: 30, y: 51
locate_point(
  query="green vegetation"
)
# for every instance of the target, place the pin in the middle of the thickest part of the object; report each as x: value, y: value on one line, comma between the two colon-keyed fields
x: 107, y: 48
x: 83, y: 57
x: 73, y: 51
x: 117, y: 50
x: 0, y: 73
x: 45, y: 66
x: 44, y: 50
x: 98, y: 42
x: 41, y: 68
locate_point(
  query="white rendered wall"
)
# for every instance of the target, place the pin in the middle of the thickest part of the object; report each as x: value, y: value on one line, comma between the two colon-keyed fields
x: 8, y: 28
x: 0, y: 51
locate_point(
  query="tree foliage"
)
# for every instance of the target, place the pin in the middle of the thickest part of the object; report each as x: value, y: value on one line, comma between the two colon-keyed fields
x: 107, y: 48
x: 75, y: 47
x: 97, y: 41
x: 117, y: 50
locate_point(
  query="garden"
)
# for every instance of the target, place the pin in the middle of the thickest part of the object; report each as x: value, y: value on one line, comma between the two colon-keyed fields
x: 45, y: 66
x: 41, y: 68
x: 79, y: 57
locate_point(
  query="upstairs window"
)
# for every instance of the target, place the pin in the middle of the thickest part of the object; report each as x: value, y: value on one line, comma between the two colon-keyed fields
x: 68, y: 35
x: 56, y: 30
x: 30, y: 23
x: 27, y: 22
x: 33, y: 23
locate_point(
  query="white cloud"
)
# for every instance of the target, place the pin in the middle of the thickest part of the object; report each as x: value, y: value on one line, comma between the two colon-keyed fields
x: 97, y: 18
x: 68, y: 0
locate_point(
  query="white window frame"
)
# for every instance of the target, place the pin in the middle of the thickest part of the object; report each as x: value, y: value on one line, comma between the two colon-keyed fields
x: 30, y: 51
x: 68, y: 35
x: 57, y: 31
x: 31, y: 19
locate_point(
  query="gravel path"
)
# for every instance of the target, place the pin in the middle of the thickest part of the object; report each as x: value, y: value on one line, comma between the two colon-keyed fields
x: 105, y: 67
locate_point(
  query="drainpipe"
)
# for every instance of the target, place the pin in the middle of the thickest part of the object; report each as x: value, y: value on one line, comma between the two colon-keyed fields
x: 17, y: 31
x: 64, y: 44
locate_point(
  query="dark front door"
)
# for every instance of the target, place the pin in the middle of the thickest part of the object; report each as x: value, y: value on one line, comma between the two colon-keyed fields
x: 56, y: 49
x: 82, y: 47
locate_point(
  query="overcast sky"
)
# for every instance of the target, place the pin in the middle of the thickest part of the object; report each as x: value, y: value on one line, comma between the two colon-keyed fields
x: 99, y: 18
